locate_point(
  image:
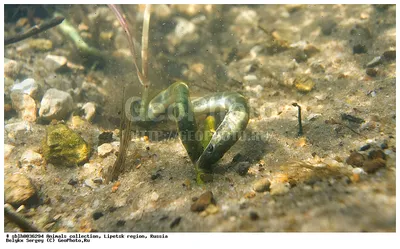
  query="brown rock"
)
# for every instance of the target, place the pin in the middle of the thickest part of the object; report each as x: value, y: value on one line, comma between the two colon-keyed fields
x: 262, y: 185
x: 355, y: 159
x: 204, y: 200
x: 371, y: 166
x: 18, y: 190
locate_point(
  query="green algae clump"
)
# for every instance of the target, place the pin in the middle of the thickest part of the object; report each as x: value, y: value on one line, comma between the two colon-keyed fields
x: 64, y: 146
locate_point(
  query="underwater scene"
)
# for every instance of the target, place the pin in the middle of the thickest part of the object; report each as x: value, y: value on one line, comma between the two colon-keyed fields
x: 200, y: 118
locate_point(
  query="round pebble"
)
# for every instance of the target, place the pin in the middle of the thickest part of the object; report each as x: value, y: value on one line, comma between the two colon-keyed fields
x: 18, y: 190
x: 55, y: 104
x: 104, y: 149
x: 262, y: 185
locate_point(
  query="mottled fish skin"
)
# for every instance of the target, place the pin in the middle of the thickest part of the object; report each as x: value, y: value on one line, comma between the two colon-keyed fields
x: 184, y: 111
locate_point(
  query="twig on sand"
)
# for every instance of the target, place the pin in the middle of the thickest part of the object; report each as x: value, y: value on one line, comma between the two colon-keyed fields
x: 19, y: 220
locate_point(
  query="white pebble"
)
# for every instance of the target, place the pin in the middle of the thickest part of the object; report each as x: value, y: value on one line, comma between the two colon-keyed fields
x: 27, y: 86
x: 104, y: 149
x: 56, y: 104
x: 154, y: 196
x: 30, y: 158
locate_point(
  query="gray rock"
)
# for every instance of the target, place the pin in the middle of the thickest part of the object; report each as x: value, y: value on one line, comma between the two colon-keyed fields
x: 55, y: 62
x: 55, y: 104
x: 17, y: 129
x: 24, y: 105
x: 28, y: 86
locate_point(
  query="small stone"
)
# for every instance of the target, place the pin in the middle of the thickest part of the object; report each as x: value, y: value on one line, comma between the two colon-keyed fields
x: 262, y: 185
x: 154, y: 196
x: 311, y: 50
x: 279, y: 188
x: 97, y: 215
x: 30, y: 158
x: 40, y: 44
x: 55, y: 63
x: 175, y: 222
x: 204, y: 200
x: 212, y: 209
x: 18, y: 129
x: 359, y: 49
x: 121, y: 223
x: 104, y: 149
x: 247, y: 17
x: 374, y: 154
x: 11, y: 68
x: 389, y: 55
x: 375, y: 62
x: 355, y: 159
x: 8, y: 148
x: 371, y: 72
x: 304, y: 84
x: 105, y: 137
x: 250, y: 195
x: 384, y: 146
x: 254, y: 215
x: 90, y: 110
x: 73, y: 181
x: 243, y: 168
x: 365, y: 147
x: 327, y: 26
x: 24, y: 105
x: 18, y: 190
x: 371, y: 166
x: 56, y: 104
x: 62, y: 146
x: 28, y: 86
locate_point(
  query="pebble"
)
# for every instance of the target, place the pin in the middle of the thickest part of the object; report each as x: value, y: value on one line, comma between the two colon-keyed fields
x: 27, y: 86
x: 371, y: 72
x: 374, y: 154
x: 104, y: 149
x: 359, y: 49
x: 40, y: 44
x: 18, y: 190
x: 389, y: 55
x: 355, y: 159
x: 365, y: 147
x: 184, y: 30
x: 371, y: 166
x: 30, y: 158
x: 279, y: 188
x: 97, y: 215
x: 154, y: 196
x: 24, y: 105
x: 262, y: 185
x: 18, y: 129
x: 55, y: 104
x: 8, y: 148
x: 105, y: 137
x: 303, y: 83
x: 54, y: 62
x: 175, y: 222
x: 204, y: 200
x: 247, y: 17
x: 11, y: 68
x: 254, y: 216
x: 327, y: 26
x: 90, y: 110
x: 243, y: 168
